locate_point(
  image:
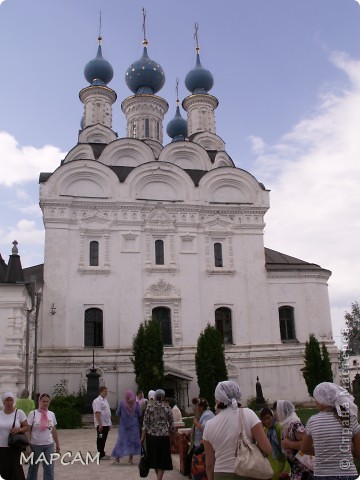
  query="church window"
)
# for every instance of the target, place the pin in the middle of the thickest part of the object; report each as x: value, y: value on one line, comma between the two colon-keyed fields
x: 93, y: 331
x: 94, y: 254
x: 157, y: 131
x: 163, y: 316
x: 287, y: 323
x: 159, y: 252
x: 223, y: 324
x: 218, y: 255
x: 147, y: 128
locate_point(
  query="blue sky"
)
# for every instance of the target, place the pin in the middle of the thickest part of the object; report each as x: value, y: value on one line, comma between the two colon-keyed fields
x: 287, y: 76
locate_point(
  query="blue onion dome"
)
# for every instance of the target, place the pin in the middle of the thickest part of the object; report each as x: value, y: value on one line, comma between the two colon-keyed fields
x: 199, y: 80
x: 98, y: 71
x: 145, y: 75
x: 177, y: 127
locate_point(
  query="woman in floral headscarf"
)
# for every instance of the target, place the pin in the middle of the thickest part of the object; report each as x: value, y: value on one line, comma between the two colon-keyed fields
x: 333, y: 434
x: 221, y: 433
x: 292, y: 433
x: 128, y: 441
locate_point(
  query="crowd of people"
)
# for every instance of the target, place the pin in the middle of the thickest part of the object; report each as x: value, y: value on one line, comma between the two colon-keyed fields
x: 323, y: 449
x: 316, y: 451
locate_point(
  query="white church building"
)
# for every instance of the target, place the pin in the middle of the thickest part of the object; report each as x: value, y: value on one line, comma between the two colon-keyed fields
x: 136, y: 229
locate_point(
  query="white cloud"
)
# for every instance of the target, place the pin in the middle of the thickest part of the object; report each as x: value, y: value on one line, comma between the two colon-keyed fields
x: 33, y: 210
x: 21, y: 164
x: 313, y: 173
x: 257, y: 144
x: 25, y: 232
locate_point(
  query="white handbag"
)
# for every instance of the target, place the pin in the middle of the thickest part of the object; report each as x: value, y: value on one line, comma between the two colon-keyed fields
x: 250, y: 462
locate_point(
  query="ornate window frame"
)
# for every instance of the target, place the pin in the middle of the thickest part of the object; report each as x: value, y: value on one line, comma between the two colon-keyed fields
x: 165, y: 294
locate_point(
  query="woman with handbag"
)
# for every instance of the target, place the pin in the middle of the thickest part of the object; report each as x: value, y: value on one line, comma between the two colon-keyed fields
x: 333, y: 434
x: 12, y: 420
x: 43, y: 436
x: 221, y: 433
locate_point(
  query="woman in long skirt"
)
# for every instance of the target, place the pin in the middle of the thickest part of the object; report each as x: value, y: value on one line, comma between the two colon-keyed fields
x: 128, y: 441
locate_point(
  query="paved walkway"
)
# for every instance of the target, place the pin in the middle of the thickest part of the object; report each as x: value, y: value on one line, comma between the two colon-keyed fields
x: 84, y: 441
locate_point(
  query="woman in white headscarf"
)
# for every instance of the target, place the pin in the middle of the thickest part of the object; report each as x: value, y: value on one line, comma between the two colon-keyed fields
x: 222, y: 432
x: 10, y: 467
x: 333, y: 434
x: 292, y: 432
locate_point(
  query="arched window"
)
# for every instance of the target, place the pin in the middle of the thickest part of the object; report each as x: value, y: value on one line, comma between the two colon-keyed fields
x: 147, y: 127
x: 218, y: 255
x: 157, y: 131
x: 93, y: 328
x: 94, y: 254
x: 163, y: 316
x: 159, y: 252
x: 223, y: 324
x: 287, y: 323
x: 133, y: 129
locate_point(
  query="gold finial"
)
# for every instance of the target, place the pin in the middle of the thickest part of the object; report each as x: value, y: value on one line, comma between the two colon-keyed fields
x: 196, y: 36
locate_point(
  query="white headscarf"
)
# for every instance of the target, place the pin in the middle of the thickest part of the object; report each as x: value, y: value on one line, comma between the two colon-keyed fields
x: 332, y: 395
x: 151, y: 394
x: 228, y: 393
x: 286, y: 412
x: 7, y: 395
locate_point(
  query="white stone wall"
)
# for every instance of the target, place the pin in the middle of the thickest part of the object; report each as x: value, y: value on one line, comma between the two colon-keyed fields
x: 14, y: 303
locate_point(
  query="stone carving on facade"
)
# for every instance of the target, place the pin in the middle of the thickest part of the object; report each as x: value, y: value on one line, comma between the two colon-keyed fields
x: 161, y: 289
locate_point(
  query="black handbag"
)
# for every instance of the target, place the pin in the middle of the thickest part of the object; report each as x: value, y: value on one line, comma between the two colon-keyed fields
x: 17, y: 440
x: 143, y: 464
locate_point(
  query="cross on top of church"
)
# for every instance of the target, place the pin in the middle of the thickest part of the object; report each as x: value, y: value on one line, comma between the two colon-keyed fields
x: 15, y: 250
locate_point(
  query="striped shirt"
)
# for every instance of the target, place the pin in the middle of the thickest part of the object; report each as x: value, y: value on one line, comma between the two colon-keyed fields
x: 332, y: 438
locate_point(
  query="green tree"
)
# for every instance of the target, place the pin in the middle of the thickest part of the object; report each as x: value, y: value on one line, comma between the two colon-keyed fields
x: 352, y: 322
x: 147, y: 356
x: 317, y: 367
x: 210, y: 363
x: 326, y: 371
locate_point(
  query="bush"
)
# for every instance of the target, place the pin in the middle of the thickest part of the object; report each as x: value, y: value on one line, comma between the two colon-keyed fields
x: 68, y: 410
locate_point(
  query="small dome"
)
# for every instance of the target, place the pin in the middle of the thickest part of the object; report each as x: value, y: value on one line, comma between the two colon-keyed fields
x: 199, y: 80
x: 145, y: 75
x: 98, y: 71
x: 177, y: 127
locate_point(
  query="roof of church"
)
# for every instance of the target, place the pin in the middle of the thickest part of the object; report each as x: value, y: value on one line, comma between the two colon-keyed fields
x: 13, y: 271
x: 98, y: 71
x: 34, y: 273
x: 145, y: 75
x: 280, y: 261
x: 3, y: 268
x: 199, y: 79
